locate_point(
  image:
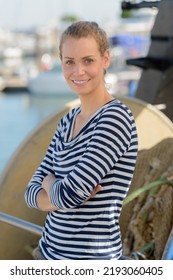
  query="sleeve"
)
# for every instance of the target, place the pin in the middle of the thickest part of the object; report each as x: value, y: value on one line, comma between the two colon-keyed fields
x: 110, y: 140
x: 45, y: 168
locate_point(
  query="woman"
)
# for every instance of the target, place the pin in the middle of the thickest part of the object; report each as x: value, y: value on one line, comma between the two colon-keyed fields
x: 89, y: 165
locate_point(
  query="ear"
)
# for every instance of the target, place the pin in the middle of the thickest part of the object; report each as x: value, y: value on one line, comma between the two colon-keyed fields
x: 106, y: 59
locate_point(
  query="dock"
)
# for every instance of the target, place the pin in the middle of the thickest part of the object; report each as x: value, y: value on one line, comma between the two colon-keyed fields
x: 13, y: 84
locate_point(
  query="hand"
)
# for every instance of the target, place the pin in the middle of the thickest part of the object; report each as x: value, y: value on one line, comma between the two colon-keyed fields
x: 47, y: 182
x: 43, y: 200
x: 44, y: 203
x: 96, y: 190
x: 93, y: 193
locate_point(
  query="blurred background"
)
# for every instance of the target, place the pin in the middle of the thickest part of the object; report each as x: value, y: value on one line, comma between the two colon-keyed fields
x: 31, y: 82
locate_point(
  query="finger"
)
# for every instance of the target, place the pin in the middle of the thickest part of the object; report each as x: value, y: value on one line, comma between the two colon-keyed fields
x: 96, y: 190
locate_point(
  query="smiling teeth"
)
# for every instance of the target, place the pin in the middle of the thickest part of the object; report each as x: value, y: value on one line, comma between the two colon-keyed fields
x: 79, y: 82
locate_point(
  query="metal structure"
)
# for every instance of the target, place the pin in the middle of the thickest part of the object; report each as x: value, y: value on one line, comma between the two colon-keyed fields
x: 131, y: 5
x: 20, y: 223
x: 156, y: 82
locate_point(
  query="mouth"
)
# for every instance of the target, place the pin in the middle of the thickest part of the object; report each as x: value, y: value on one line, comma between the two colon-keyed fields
x: 80, y: 82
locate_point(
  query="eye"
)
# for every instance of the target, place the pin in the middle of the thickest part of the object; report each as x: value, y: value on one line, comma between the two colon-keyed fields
x: 88, y: 60
x: 69, y: 62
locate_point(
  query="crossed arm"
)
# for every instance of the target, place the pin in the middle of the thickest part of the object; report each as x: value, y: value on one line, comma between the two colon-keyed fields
x: 109, y: 142
x: 43, y: 199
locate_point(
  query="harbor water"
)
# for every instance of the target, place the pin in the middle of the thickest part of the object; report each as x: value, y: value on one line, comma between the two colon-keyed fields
x: 20, y: 113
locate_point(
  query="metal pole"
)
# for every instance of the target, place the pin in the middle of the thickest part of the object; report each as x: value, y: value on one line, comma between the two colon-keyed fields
x: 168, y: 251
x: 33, y: 228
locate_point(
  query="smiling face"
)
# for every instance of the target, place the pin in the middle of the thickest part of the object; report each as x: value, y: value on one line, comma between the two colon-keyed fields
x: 83, y: 65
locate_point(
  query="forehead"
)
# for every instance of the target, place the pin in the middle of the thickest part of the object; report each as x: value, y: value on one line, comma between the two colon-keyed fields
x: 79, y: 46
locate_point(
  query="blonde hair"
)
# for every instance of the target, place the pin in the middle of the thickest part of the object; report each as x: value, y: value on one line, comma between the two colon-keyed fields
x: 82, y: 29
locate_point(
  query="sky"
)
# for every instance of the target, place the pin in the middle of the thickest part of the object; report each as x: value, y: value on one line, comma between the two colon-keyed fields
x: 25, y: 14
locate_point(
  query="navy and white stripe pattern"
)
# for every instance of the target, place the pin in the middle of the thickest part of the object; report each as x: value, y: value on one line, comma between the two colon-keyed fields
x: 104, y: 152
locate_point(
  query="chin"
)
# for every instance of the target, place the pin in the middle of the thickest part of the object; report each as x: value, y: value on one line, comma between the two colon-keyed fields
x: 80, y: 91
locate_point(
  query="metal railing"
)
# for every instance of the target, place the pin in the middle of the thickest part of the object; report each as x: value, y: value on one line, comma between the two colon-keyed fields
x: 22, y: 224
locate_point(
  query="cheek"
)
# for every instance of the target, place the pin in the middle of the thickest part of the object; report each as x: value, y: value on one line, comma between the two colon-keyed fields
x: 98, y: 73
x: 66, y: 72
x: 95, y: 71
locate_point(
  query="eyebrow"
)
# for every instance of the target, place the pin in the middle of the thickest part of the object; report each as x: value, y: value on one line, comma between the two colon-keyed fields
x: 88, y: 56
x: 67, y: 57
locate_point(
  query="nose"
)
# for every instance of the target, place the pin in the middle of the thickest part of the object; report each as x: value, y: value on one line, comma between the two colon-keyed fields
x: 79, y: 69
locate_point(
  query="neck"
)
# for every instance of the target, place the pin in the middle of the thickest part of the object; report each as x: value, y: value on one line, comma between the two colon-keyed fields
x: 90, y: 104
